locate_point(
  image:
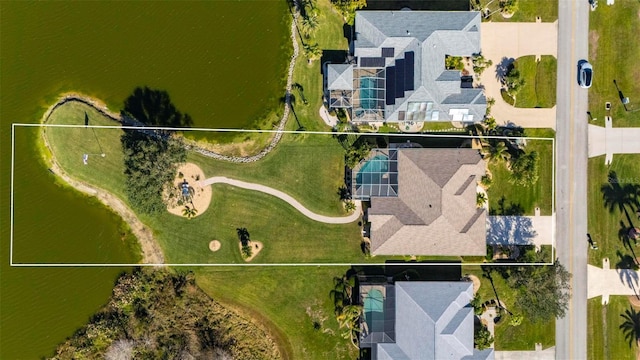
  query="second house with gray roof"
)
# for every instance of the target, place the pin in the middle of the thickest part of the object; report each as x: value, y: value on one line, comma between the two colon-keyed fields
x: 397, y: 68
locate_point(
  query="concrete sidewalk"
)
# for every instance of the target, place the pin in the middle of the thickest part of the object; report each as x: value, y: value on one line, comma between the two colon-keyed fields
x: 520, y: 230
x: 511, y: 41
x: 538, y: 354
x: 608, y: 140
x: 287, y: 198
x: 606, y: 281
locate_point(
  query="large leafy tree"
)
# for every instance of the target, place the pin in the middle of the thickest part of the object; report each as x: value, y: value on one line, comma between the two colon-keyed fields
x: 151, y: 157
x: 151, y: 160
x: 543, y: 291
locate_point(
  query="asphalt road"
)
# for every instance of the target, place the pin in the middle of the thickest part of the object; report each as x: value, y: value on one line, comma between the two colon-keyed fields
x: 571, y: 174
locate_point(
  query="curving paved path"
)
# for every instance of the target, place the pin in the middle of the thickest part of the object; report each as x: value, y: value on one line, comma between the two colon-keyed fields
x: 287, y: 198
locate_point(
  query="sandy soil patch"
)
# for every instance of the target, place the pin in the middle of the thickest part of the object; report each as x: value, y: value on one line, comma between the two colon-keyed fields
x: 201, y: 198
x: 476, y: 282
x: 256, y: 246
x: 214, y: 245
x: 593, y: 43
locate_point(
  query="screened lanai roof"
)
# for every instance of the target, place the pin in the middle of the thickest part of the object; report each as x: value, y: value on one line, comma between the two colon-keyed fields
x: 377, y: 175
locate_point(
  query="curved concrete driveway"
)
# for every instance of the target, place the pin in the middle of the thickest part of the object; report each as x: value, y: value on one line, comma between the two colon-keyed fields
x: 513, y: 40
x: 293, y: 202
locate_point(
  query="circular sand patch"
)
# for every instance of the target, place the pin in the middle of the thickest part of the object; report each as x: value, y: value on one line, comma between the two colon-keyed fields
x: 201, y: 198
x: 214, y: 245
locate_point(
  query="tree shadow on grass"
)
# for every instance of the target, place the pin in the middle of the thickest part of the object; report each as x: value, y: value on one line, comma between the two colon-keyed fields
x: 504, y: 209
x: 154, y: 108
x: 621, y: 196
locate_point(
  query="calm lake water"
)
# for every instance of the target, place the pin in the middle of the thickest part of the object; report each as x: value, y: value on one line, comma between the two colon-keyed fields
x: 222, y: 62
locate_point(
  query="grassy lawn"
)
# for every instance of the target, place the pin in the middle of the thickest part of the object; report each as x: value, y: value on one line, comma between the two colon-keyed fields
x: 613, y: 52
x: 440, y: 126
x: 527, y: 11
x: 540, y: 194
x: 329, y: 37
x: 286, y: 301
x: 288, y: 235
x: 539, y: 90
x: 509, y: 337
x: 606, y: 340
x: 604, y: 225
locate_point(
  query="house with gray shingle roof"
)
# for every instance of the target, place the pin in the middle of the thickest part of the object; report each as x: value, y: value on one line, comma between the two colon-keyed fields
x: 397, y: 72
x: 422, y: 201
x: 429, y: 320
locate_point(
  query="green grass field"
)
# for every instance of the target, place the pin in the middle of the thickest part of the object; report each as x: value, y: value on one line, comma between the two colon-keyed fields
x: 523, y: 337
x: 539, y: 90
x: 286, y: 301
x: 288, y: 235
x: 604, y: 225
x: 540, y: 194
x: 527, y: 11
x: 606, y: 340
x: 613, y: 52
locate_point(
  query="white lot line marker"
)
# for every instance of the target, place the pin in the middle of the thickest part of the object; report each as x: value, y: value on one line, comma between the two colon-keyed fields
x: 13, y: 125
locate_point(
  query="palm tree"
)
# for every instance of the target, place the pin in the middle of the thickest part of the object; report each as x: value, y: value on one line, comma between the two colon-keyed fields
x: 498, y: 151
x: 508, y: 6
x: 621, y: 197
x: 310, y: 23
x: 490, y: 123
x: 348, y: 319
x: 243, y: 235
x: 312, y: 52
x: 300, y: 89
x: 631, y: 326
x: 481, y: 199
x: 189, y: 212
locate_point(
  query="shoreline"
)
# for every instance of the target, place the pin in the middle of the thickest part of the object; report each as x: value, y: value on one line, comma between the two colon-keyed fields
x: 151, y: 250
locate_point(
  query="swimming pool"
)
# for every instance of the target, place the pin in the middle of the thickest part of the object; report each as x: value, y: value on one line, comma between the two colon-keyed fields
x: 367, y: 93
x: 373, y: 310
x: 378, y: 163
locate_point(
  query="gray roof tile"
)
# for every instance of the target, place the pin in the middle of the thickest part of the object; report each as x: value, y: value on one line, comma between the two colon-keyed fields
x: 433, y: 320
x: 430, y: 35
x: 435, y: 212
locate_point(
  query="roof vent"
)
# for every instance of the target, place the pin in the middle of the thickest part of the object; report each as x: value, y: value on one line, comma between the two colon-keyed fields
x: 408, y: 32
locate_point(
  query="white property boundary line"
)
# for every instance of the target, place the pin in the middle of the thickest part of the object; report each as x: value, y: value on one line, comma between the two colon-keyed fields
x: 14, y: 125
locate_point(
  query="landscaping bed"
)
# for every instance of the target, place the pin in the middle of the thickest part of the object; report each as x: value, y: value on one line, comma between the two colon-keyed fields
x: 539, y: 89
x: 527, y: 11
x: 526, y: 198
